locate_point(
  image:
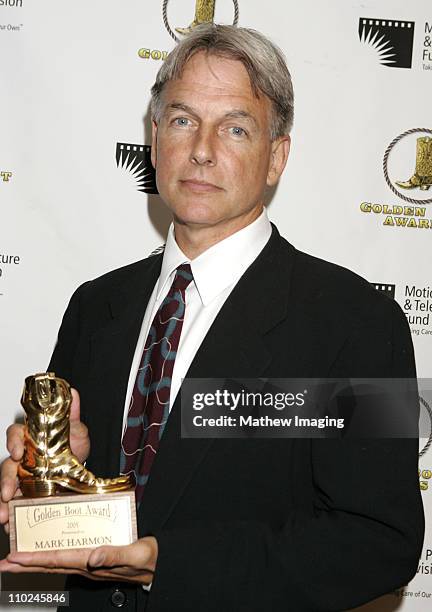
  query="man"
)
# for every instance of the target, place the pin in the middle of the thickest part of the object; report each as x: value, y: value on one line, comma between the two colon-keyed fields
x: 234, y: 525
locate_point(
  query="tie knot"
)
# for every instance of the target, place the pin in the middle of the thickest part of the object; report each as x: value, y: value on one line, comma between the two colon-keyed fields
x: 183, y: 277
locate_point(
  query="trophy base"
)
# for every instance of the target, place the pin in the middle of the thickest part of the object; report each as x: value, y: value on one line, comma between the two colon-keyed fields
x: 72, y: 521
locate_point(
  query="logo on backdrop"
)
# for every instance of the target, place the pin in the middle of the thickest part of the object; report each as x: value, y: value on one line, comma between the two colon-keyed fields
x: 5, y: 176
x: 427, y: 47
x: 417, y: 306
x: 419, y: 299
x: 391, y: 41
x: 407, y: 169
x: 8, y: 262
x: 204, y: 12
x: 154, y: 54
x: 386, y: 288
x: 136, y: 159
x: 17, y: 3
x: 425, y: 474
x: 414, y: 146
x: 425, y: 567
x: 416, y: 302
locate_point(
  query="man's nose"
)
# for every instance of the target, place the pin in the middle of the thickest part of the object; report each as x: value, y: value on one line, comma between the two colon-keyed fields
x: 204, y: 148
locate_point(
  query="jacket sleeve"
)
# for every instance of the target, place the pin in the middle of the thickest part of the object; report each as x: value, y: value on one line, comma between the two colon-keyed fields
x: 62, y: 361
x: 362, y: 539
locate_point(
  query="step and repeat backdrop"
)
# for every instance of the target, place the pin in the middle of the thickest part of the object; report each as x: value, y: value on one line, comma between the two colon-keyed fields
x: 77, y: 191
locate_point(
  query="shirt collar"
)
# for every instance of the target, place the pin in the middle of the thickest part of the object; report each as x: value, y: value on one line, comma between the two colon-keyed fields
x: 222, y: 264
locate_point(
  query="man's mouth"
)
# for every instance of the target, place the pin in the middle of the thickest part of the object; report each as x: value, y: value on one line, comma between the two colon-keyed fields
x: 199, y: 186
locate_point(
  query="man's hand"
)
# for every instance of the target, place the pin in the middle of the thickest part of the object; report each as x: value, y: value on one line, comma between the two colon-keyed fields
x: 133, y: 563
x: 79, y: 443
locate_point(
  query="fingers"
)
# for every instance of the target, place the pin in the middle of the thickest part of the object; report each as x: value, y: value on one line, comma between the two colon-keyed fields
x: 79, y: 438
x: 4, y: 516
x: 15, y: 441
x: 16, y: 568
x: 77, y: 562
x: 8, y: 479
x: 9, y: 488
x: 78, y: 430
x: 54, y: 559
x: 134, y: 555
x: 75, y: 406
x: 54, y: 562
x: 9, y: 467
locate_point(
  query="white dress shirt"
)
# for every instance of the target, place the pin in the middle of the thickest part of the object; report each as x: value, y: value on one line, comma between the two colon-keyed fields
x: 215, y: 273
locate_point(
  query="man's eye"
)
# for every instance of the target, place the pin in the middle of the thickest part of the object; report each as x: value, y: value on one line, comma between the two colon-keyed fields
x: 181, y: 121
x: 237, y: 131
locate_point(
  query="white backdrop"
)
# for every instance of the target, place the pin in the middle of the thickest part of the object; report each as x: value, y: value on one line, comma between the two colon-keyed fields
x: 75, y: 79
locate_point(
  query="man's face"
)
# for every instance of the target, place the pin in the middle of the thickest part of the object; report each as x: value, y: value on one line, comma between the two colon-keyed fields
x: 211, y: 148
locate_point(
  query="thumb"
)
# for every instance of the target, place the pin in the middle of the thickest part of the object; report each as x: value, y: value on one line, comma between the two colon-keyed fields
x: 107, y: 556
x: 134, y: 555
x: 75, y: 406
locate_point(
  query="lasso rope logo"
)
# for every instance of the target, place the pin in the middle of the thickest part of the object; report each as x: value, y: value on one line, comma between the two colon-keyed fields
x: 425, y: 474
x: 417, y: 144
x: 407, y: 169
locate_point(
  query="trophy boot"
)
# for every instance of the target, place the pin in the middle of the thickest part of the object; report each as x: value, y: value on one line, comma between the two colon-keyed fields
x: 48, y: 465
x: 204, y: 13
x: 422, y: 176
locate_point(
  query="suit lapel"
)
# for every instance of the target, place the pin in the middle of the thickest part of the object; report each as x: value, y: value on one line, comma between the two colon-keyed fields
x: 232, y: 348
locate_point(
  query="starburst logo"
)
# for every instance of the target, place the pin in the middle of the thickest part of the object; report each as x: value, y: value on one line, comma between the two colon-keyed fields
x: 136, y: 159
x: 391, y: 41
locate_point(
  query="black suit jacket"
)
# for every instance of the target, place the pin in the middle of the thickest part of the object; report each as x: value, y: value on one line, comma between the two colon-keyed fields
x: 256, y: 524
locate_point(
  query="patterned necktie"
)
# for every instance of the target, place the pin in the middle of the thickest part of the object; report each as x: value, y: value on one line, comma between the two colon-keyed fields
x: 149, y: 406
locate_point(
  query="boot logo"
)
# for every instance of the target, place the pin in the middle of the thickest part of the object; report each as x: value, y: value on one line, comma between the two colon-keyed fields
x: 390, y: 40
x: 412, y: 147
x: 203, y: 12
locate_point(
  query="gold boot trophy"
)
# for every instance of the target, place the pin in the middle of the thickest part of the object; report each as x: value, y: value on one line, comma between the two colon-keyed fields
x: 422, y: 176
x: 104, y: 510
x: 204, y: 13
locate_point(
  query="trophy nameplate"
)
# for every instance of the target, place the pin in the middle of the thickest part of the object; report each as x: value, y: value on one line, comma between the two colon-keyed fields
x: 72, y: 521
x: 63, y: 504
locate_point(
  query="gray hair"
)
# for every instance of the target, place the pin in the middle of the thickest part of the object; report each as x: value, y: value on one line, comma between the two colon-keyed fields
x: 263, y: 60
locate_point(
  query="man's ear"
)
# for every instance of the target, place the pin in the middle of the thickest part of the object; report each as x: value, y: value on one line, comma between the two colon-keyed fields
x: 280, y: 149
x: 154, y: 143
